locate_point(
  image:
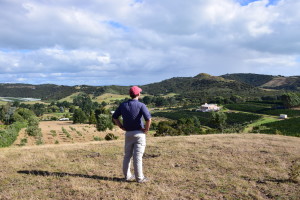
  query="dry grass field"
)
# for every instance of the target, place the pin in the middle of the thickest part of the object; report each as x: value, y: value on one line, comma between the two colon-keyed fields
x: 233, y: 166
x: 108, y: 97
x: 53, y: 133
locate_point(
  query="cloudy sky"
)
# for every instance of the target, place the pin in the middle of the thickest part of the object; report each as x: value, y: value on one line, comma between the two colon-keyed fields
x: 128, y: 42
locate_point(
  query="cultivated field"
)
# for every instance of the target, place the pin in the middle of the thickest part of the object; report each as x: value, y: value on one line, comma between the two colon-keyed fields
x: 224, y: 166
x: 53, y: 133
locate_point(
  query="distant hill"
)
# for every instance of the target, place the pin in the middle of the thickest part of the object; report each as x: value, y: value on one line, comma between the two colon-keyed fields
x: 197, y: 87
x: 251, y: 79
x: 45, y: 91
x: 267, y: 81
x: 200, y: 86
x: 55, y: 92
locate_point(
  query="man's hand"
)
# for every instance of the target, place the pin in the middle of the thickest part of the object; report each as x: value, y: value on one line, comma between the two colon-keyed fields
x: 145, y: 130
x: 119, y: 124
x: 147, y: 126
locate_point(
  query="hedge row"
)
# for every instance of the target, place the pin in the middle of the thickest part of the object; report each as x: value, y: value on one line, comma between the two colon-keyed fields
x: 205, y: 117
x: 288, y: 127
x: 263, y: 109
x: 10, y: 134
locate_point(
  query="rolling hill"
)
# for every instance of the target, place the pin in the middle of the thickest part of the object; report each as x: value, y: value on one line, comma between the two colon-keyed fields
x: 267, y: 81
x: 201, y: 85
x: 55, y: 92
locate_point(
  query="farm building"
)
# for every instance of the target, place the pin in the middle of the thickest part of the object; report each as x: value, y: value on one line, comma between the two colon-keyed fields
x: 283, y: 116
x: 209, y: 108
x: 64, y: 119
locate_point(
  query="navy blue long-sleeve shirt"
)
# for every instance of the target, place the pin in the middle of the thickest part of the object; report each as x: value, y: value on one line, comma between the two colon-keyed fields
x: 132, y: 112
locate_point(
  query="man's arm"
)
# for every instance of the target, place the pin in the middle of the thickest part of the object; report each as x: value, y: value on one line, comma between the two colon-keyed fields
x: 118, y: 123
x: 147, y: 126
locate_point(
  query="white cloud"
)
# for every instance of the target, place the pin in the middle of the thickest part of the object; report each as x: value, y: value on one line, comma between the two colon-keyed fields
x: 137, y: 42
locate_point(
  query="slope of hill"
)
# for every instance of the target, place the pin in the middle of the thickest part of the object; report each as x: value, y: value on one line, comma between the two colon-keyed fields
x: 202, y: 85
x: 46, y: 91
x: 287, y: 83
x: 223, y: 166
x: 248, y: 78
x: 55, y: 92
x: 267, y: 81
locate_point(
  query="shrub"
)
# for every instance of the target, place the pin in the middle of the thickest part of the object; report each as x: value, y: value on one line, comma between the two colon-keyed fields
x: 104, y: 122
x: 39, y: 141
x: 258, y: 129
x: 72, y: 128
x: 10, y: 134
x: 23, y: 142
x: 79, y: 133
x: 53, y: 118
x: 33, y: 127
x: 97, y: 138
x: 33, y: 131
x: 65, y: 132
x: 111, y: 136
x: 53, y: 133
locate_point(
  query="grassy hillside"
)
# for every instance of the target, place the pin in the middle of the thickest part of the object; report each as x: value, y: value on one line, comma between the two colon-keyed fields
x: 267, y: 81
x: 108, y: 97
x: 251, y: 79
x: 45, y: 91
x: 56, y: 92
x: 286, y: 83
x: 203, y: 86
x: 195, y: 167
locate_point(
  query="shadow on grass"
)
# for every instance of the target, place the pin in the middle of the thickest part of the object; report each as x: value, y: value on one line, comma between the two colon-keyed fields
x: 63, y: 174
x: 264, y: 181
x: 276, y: 181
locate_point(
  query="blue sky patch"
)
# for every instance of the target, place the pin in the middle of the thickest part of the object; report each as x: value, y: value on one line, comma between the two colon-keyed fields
x: 246, y: 2
x: 117, y: 25
x: 6, y: 50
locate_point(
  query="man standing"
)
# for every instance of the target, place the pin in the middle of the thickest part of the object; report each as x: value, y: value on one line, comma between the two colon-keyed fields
x: 132, y: 112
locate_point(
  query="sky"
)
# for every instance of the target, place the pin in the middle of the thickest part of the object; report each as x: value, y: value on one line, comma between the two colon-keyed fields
x: 136, y: 42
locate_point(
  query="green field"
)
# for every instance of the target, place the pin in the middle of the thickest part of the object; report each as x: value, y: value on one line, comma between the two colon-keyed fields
x: 289, y: 127
x: 108, y: 97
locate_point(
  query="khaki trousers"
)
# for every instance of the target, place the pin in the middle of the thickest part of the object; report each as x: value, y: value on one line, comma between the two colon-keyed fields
x: 135, y: 143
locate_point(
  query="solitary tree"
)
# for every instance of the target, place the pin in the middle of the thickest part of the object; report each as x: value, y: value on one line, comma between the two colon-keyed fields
x: 92, y: 118
x: 218, y: 119
x: 84, y: 102
x: 104, y: 122
x: 79, y: 116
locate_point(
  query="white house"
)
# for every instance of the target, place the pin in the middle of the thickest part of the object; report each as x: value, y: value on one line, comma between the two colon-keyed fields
x: 64, y: 119
x: 209, y: 107
x: 283, y: 116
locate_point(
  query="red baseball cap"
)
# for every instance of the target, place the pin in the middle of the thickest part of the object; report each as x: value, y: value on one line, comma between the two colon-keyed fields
x: 135, y: 90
